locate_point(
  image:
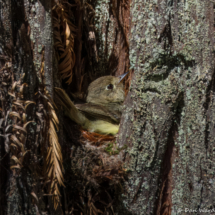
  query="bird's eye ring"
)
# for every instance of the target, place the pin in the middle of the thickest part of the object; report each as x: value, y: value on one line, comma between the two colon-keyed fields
x: 109, y: 87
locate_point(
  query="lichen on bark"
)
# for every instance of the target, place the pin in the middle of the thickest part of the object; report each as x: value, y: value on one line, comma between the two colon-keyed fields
x: 171, y: 135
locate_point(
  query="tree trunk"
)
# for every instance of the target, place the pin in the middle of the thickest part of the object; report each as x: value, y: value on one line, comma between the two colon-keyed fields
x: 167, y: 122
x: 25, y: 28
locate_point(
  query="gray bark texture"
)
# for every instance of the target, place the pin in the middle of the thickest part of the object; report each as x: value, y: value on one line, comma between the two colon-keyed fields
x: 168, y: 122
x: 25, y: 28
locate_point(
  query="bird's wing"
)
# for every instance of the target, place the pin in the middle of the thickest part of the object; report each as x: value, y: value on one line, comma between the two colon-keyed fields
x: 99, y: 112
x: 72, y: 112
x: 99, y: 125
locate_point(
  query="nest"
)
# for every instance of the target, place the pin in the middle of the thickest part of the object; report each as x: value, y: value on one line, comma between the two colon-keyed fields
x: 95, y: 169
x: 95, y: 157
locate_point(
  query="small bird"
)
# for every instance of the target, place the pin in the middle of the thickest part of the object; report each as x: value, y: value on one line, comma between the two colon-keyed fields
x: 102, y: 112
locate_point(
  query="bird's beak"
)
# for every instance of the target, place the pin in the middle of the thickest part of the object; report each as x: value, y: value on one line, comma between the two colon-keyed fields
x: 121, y: 77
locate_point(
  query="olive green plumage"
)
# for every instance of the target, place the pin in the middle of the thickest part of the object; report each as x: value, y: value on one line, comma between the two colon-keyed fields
x: 103, y: 109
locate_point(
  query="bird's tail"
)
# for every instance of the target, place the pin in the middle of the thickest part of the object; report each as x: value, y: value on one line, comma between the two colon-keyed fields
x: 70, y: 109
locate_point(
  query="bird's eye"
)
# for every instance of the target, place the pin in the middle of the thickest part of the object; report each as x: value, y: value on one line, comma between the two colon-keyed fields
x: 109, y: 87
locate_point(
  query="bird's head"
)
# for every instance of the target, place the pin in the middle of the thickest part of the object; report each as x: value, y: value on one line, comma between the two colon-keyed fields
x: 106, y: 90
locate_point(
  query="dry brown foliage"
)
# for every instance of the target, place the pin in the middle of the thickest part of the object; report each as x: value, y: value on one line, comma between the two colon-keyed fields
x: 53, y: 160
x: 63, y: 30
x: 18, y: 135
x: 14, y: 118
x: 14, y: 124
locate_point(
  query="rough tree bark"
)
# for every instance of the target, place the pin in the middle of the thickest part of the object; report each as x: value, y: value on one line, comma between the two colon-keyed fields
x: 168, y: 120
x: 169, y: 116
x: 25, y: 28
